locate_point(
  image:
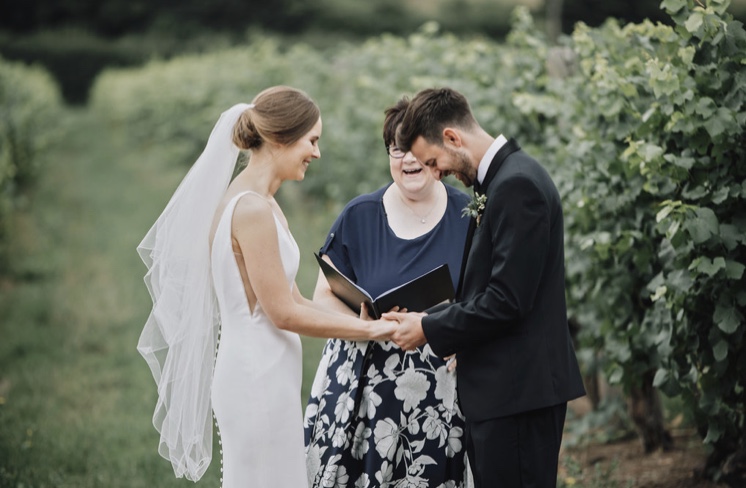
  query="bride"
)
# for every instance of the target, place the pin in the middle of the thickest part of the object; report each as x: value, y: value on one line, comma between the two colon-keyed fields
x: 222, y: 259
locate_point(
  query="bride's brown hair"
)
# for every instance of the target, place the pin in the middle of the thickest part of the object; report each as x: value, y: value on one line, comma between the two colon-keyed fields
x: 280, y: 114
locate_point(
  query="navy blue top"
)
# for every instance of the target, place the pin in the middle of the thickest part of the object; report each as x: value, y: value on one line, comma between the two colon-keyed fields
x: 364, y: 248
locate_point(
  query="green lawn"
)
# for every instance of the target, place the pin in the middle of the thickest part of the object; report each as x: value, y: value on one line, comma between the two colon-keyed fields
x: 76, y: 398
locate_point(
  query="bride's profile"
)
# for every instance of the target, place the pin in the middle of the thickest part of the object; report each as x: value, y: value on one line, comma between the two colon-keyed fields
x: 222, y: 263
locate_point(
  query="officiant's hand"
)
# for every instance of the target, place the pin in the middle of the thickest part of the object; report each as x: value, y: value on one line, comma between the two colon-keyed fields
x: 364, y: 315
x: 409, y: 335
x: 450, y: 362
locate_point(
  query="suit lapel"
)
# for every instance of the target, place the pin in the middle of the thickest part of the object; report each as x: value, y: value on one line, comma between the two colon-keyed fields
x: 508, y: 148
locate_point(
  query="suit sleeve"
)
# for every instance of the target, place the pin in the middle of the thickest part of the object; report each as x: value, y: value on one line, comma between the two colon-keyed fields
x: 517, y: 216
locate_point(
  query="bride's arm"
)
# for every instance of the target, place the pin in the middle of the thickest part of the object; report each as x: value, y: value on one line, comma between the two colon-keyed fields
x: 255, y: 230
x: 333, y: 304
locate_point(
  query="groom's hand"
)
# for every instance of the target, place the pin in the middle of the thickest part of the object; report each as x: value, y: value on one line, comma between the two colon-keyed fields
x: 409, y: 335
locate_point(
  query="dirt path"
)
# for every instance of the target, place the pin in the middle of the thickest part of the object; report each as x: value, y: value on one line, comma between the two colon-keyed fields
x: 624, y: 464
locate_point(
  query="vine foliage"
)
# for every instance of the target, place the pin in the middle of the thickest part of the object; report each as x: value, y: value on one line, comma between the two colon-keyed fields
x: 649, y: 135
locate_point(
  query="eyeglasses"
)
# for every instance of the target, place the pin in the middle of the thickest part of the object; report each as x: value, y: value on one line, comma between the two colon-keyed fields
x: 395, y: 152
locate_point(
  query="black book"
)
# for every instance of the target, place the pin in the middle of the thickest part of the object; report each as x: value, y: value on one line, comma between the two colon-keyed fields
x: 416, y: 295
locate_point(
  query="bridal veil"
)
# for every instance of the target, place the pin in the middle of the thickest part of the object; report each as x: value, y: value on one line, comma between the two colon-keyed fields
x: 179, y: 338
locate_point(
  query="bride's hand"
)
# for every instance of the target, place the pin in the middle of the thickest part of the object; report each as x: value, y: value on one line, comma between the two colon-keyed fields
x: 382, y: 330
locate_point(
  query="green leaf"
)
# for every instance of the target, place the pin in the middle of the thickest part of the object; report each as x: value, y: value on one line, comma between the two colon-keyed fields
x: 705, y: 107
x: 727, y: 318
x: 719, y: 6
x: 720, y: 195
x: 672, y: 230
x: 659, y: 293
x: 713, y: 434
x: 703, y: 226
x: 734, y: 270
x: 663, y: 213
x: 694, y: 22
x: 616, y: 376
x: 730, y: 235
x: 710, y: 267
x: 656, y: 282
x: 720, y: 351
x: 687, y: 54
x: 662, y: 79
x: 650, y: 152
x: 673, y: 6
x: 680, y: 281
x: 717, y: 124
x: 680, y: 161
x: 661, y: 376
x: 695, y: 192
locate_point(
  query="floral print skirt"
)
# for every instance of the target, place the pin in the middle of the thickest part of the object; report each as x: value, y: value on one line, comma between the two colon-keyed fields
x: 382, y: 417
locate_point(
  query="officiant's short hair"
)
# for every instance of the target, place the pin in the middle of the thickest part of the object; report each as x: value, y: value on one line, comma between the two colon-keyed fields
x: 429, y: 112
x: 392, y: 119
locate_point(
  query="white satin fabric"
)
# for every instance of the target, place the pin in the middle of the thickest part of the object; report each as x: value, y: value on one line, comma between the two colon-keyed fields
x: 257, y: 379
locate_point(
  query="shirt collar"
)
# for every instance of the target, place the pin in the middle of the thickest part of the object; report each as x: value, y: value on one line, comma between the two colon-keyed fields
x: 484, y: 164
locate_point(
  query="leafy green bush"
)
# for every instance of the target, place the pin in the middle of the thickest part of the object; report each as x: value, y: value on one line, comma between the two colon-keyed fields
x: 650, y: 137
x: 29, y: 110
x: 72, y: 56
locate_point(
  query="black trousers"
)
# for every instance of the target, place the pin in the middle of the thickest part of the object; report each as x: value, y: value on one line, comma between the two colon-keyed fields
x: 519, y: 451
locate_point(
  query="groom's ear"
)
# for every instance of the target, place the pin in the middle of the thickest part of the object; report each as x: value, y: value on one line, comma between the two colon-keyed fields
x: 452, y: 137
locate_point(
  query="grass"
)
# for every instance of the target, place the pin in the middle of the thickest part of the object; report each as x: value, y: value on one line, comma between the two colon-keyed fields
x: 76, y: 398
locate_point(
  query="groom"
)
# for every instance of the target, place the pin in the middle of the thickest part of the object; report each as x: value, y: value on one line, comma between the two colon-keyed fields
x: 516, y: 364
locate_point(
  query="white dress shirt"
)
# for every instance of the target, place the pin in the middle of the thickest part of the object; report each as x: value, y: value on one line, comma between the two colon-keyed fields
x: 484, y: 164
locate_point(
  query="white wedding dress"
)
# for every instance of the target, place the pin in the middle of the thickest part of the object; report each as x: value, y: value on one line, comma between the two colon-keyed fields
x: 257, y: 379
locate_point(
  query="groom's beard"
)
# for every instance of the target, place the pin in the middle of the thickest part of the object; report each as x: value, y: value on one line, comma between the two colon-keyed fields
x: 462, y: 167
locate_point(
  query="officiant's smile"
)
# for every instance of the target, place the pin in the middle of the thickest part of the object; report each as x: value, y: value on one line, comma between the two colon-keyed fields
x: 405, y: 167
x: 418, y: 195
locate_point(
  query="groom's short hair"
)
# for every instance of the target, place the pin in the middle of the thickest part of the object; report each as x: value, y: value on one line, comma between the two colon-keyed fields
x: 429, y: 112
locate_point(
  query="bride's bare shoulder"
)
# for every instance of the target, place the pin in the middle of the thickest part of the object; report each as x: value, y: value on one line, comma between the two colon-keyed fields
x: 252, y: 207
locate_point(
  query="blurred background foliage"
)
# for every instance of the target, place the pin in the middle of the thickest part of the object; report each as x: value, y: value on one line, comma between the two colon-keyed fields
x: 76, y: 39
x: 640, y: 118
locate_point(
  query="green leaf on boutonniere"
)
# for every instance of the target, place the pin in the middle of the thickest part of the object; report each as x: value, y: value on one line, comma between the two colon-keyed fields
x: 475, y: 207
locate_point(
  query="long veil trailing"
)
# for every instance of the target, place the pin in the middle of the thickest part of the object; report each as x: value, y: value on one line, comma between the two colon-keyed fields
x: 179, y: 338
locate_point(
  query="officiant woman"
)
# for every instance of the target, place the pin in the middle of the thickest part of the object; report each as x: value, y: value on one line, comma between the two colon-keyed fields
x: 378, y: 414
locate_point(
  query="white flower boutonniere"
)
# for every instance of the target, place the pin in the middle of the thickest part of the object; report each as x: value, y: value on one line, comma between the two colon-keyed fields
x: 475, y: 208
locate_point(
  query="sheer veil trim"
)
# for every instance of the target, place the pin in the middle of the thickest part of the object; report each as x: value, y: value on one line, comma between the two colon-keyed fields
x: 179, y: 338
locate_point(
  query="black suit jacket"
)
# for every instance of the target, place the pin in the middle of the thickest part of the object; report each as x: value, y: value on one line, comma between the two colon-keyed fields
x: 509, y: 326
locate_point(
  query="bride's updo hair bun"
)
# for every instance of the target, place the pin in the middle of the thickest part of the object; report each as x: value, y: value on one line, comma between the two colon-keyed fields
x: 280, y: 115
x: 245, y: 135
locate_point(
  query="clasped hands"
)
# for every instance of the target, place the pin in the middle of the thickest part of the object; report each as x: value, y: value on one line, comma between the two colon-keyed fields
x: 405, y: 329
x: 408, y: 334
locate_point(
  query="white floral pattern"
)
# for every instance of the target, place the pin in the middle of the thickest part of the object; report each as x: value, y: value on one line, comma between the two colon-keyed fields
x: 397, y: 426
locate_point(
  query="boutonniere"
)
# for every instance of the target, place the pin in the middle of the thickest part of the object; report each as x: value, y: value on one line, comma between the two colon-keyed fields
x: 475, y: 207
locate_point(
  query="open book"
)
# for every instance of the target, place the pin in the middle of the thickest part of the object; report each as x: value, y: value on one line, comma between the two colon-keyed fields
x: 416, y: 295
